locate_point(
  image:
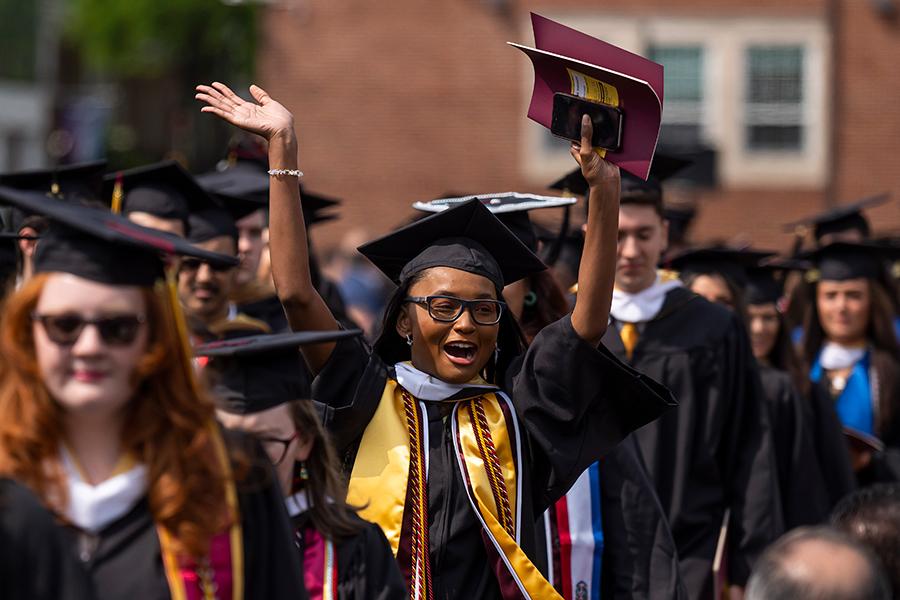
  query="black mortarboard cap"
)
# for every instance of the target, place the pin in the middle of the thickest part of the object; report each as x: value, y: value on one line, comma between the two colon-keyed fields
x: 210, y: 223
x: 731, y: 263
x: 466, y: 237
x: 637, y: 191
x: 510, y: 207
x: 843, y: 218
x: 255, y: 373
x: 93, y: 243
x: 572, y: 183
x: 840, y: 261
x: 165, y: 190
x: 765, y: 281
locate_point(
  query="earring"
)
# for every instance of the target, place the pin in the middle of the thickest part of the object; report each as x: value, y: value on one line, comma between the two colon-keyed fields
x: 304, y: 474
x: 408, y: 339
x: 496, y: 353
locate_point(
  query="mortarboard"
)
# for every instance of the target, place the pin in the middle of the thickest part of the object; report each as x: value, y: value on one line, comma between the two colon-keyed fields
x: 842, y: 218
x: 210, y: 223
x: 638, y: 191
x: 572, y: 183
x: 466, y: 237
x: 510, y: 207
x: 165, y: 190
x: 731, y: 263
x: 568, y: 61
x: 255, y: 373
x: 93, y: 243
x: 765, y: 281
x: 840, y: 261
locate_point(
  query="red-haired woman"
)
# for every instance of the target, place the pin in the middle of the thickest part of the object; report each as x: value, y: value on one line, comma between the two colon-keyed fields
x: 100, y: 417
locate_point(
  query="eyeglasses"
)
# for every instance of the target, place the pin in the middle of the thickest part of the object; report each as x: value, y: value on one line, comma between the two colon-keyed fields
x: 276, y: 446
x: 114, y: 330
x: 194, y: 264
x: 448, y: 309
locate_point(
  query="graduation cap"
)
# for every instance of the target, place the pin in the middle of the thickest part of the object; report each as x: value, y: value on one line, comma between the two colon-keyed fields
x: 638, y: 191
x: 510, y: 207
x: 259, y: 372
x: 840, y: 261
x: 210, y: 223
x: 568, y: 61
x: 93, y: 243
x: 765, y: 281
x: 466, y: 237
x: 837, y: 220
x: 165, y: 190
x: 731, y: 263
x: 572, y: 183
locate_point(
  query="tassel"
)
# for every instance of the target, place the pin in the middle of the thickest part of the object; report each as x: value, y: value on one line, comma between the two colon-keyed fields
x: 118, y: 195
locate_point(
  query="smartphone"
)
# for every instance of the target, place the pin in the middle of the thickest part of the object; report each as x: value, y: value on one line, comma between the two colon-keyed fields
x: 566, y: 121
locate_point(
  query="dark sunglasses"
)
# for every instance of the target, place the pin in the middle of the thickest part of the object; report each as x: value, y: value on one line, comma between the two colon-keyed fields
x: 448, y: 309
x: 114, y: 330
x: 194, y: 264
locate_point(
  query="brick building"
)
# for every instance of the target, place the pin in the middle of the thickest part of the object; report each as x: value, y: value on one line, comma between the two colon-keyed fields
x: 405, y: 100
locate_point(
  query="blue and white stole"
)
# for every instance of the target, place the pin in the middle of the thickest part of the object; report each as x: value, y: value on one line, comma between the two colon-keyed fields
x: 855, y: 406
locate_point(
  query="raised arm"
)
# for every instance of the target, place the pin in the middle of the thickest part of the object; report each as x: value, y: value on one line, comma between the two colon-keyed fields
x: 289, y: 252
x: 597, y: 273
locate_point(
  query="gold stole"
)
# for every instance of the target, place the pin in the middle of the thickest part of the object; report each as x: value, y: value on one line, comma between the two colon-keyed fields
x: 389, y: 461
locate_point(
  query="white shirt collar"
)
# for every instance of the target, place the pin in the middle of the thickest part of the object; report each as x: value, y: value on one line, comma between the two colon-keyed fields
x: 427, y: 387
x: 93, y: 507
x: 836, y: 356
x: 644, y: 305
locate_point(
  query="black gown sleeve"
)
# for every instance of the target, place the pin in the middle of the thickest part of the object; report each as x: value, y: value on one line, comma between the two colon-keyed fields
x: 36, y: 563
x: 576, y: 402
x: 367, y: 568
x: 271, y: 568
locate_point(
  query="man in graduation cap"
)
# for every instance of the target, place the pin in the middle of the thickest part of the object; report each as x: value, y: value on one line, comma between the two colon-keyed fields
x: 845, y: 223
x: 711, y: 459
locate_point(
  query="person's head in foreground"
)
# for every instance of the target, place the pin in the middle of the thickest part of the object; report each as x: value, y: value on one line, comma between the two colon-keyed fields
x: 872, y: 517
x: 817, y: 563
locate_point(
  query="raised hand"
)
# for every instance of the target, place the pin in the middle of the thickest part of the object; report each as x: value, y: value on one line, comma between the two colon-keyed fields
x: 595, y: 169
x: 265, y: 117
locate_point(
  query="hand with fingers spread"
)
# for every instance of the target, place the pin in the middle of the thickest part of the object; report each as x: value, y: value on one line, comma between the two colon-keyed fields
x: 595, y: 169
x: 265, y: 117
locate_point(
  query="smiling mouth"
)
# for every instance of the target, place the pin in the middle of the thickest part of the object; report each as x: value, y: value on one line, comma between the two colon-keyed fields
x: 461, y: 353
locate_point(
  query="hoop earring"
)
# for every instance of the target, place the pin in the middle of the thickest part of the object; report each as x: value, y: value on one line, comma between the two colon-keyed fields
x: 408, y: 339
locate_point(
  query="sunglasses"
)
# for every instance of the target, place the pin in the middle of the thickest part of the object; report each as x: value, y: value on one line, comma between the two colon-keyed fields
x: 114, y: 330
x: 194, y: 264
x: 277, y: 446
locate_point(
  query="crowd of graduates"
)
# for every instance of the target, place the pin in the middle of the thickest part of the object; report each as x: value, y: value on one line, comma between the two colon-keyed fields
x: 188, y: 408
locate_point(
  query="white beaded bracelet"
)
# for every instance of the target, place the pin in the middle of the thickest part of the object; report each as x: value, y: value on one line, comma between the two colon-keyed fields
x: 292, y: 172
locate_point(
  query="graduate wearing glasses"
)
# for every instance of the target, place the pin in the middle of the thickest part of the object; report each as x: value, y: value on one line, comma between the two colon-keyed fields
x: 456, y: 438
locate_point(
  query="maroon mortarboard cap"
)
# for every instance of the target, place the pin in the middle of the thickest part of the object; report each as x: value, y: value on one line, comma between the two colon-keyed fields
x: 568, y: 61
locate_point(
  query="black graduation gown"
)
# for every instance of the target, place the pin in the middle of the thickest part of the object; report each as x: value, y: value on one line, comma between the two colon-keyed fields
x: 269, y: 311
x: 804, y: 494
x: 36, y: 563
x: 124, y: 560
x: 572, y: 411
x: 366, y: 568
x: 714, y: 452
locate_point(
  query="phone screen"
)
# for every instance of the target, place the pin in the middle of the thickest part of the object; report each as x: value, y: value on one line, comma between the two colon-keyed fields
x: 566, y: 122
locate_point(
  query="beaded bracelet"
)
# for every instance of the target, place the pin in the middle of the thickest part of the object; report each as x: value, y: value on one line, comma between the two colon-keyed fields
x: 292, y: 172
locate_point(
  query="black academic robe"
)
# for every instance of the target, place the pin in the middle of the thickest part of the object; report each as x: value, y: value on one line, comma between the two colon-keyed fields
x: 269, y: 311
x: 36, y: 563
x: 572, y: 410
x: 366, y: 569
x: 804, y: 493
x: 714, y: 452
x: 124, y: 559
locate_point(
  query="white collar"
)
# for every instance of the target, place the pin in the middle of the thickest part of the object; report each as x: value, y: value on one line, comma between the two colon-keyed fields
x: 93, y: 507
x: 427, y: 387
x: 644, y: 305
x: 836, y: 356
x: 297, y: 503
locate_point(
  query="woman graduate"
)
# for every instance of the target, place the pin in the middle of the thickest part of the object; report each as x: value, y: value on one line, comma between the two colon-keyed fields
x: 101, y: 418
x: 455, y: 467
x: 262, y: 388
x: 852, y: 353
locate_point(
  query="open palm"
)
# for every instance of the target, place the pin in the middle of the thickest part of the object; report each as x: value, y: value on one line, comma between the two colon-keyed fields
x: 265, y: 117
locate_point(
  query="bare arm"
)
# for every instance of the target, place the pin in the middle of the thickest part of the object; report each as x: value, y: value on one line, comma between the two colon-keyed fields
x: 597, y: 273
x: 289, y: 251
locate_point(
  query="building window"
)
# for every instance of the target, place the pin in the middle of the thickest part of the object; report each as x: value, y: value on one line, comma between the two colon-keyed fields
x: 683, y: 114
x: 774, y: 99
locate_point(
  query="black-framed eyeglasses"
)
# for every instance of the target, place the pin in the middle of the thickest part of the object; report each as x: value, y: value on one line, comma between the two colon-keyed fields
x: 115, y: 330
x: 448, y: 309
x: 193, y: 265
x: 276, y: 446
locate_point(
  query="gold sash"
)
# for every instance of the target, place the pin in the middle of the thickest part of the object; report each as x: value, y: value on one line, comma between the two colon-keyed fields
x: 489, y: 460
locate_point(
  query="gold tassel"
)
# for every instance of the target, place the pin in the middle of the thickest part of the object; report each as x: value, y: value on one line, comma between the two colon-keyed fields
x: 174, y: 305
x: 117, y: 195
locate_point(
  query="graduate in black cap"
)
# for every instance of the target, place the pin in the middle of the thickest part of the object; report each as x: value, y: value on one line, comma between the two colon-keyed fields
x: 100, y: 417
x: 711, y: 459
x: 455, y: 440
x: 717, y: 273
x: 845, y: 223
x: 852, y: 353
x: 263, y: 388
x: 614, y: 500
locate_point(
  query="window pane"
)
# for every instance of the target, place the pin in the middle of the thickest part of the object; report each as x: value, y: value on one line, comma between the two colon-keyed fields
x: 18, y: 31
x: 683, y: 76
x: 775, y: 74
x: 775, y: 137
